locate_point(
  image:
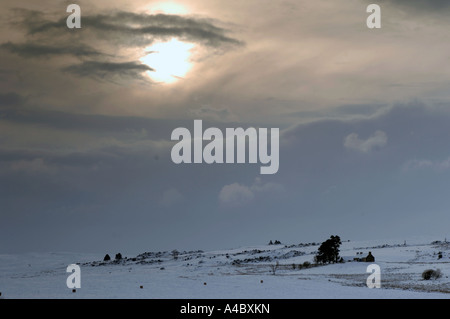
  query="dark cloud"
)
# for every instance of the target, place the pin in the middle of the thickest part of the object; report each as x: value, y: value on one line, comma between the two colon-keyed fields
x: 30, y: 50
x: 161, y: 26
x: 140, y: 28
x: 118, y: 29
x: 341, y: 112
x: 109, y: 70
x: 102, y: 172
x: 15, y: 110
x: 11, y: 99
x: 59, y: 159
x: 427, y: 5
x: 321, y: 178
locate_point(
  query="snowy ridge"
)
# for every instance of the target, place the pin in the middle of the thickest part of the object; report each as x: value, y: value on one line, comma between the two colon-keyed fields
x: 267, y: 271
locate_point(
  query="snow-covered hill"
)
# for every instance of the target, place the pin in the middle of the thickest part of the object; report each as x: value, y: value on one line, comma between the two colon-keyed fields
x: 246, y: 272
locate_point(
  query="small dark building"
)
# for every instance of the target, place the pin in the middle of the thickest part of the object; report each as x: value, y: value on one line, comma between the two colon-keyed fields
x: 370, y: 258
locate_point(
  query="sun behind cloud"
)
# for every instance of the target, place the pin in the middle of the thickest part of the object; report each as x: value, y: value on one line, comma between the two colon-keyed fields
x: 168, y: 7
x: 170, y: 60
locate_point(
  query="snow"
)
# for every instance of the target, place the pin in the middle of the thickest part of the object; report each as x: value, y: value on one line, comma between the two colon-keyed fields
x: 241, y: 273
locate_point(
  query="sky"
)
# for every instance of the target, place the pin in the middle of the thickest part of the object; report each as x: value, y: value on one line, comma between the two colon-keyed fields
x: 86, y: 117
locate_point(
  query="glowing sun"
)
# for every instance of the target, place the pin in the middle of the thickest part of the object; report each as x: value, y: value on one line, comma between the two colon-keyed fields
x: 170, y: 60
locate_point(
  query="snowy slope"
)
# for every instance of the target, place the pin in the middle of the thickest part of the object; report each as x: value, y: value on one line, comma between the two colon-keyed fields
x: 236, y: 273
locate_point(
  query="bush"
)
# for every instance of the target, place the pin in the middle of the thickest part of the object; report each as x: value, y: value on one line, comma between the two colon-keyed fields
x: 431, y: 274
x: 306, y: 264
x: 175, y: 254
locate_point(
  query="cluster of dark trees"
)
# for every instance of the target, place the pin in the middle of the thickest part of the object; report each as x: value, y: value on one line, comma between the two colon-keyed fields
x: 328, y: 251
x: 276, y: 242
x: 107, y: 257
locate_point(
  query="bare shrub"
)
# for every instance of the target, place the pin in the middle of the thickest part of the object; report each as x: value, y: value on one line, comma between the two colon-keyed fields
x: 274, y: 267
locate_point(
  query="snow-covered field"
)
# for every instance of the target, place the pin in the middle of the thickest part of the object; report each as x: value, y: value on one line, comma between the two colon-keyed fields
x: 236, y: 273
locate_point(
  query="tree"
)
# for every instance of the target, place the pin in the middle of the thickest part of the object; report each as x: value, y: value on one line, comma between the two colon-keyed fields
x: 107, y: 258
x: 118, y: 256
x: 328, y: 251
x: 274, y: 267
x: 175, y: 254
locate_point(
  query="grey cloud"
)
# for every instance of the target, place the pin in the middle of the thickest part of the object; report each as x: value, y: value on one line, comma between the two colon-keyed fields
x: 154, y: 128
x: 30, y: 50
x: 413, y: 130
x: 109, y: 70
x: 437, y: 165
x: 206, y: 112
x: 128, y: 25
x: 11, y: 99
x: 347, y: 111
x: 427, y: 5
x: 118, y: 30
x: 37, y: 165
x: 171, y: 197
x: 59, y: 120
x: 163, y: 26
x: 377, y: 140
x: 47, y: 158
x: 132, y: 185
x: 236, y: 194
